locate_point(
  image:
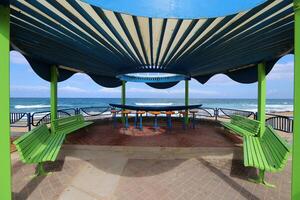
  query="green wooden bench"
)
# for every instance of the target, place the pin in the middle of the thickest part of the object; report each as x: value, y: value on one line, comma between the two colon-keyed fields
x: 69, y: 124
x: 267, y: 153
x: 242, y: 126
x: 39, y: 146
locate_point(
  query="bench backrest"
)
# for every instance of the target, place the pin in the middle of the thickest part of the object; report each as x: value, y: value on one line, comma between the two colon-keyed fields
x: 67, y: 122
x: 247, y: 124
x: 29, y: 142
x: 275, y: 144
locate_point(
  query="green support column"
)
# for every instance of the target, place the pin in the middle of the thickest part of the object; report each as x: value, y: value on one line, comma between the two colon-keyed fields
x: 296, y: 134
x: 123, y: 100
x: 186, y: 120
x: 5, y: 164
x: 262, y: 96
x: 53, y: 95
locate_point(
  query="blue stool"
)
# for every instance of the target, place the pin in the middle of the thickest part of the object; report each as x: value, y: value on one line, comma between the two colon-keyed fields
x: 194, y: 117
x: 114, y: 115
x: 126, y: 112
x: 169, y: 118
x: 139, y: 114
x: 135, y: 119
x: 183, y: 113
x: 155, y: 113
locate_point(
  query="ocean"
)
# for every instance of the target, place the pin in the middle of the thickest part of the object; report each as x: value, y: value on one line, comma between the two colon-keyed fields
x: 43, y: 104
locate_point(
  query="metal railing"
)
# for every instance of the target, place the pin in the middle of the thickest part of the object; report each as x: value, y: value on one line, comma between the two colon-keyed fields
x: 206, y: 112
x: 20, y: 120
x: 278, y: 122
x: 281, y: 123
x: 44, y: 117
x: 92, y: 113
x: 227, y: 113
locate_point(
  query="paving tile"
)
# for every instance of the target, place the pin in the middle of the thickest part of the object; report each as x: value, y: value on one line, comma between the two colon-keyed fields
x: 117, y: 177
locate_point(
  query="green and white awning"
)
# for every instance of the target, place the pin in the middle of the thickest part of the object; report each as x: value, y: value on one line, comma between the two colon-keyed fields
x: 80, y: 37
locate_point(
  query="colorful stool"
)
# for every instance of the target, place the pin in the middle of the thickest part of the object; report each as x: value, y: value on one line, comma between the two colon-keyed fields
x: 126, y: 112
x: 169, y: 117
x: 137, y: 115
x: 194, y: 116
x: 114, y: 115
x: 183, y: 113
x: 155, y: 113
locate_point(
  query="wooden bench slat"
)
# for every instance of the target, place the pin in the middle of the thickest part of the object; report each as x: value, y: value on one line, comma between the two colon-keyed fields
x: 236, y: 129
x: 70, y: 124
x: 42, y: 156
x: 264, y: 163
x: 245, y: 151
x: 266, y: 153
x: 28, y: 151
x: 242, y: 125
x: 279, y: 154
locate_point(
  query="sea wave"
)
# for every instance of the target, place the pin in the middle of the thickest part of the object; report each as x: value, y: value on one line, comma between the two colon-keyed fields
x: 153, y: 104
x: 31, y: 106
x: 273, y: 108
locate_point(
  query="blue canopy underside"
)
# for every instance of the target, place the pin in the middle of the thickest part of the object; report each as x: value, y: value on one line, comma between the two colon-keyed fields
x: 105, y: 44
x: 162, y: 85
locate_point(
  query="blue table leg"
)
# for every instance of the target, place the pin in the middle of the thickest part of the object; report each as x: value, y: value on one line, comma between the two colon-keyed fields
x: 169, y: 122
x: 141, y: 122
x: 183, y: 120
x: 115, y: 119
x: 155, y: 123
x: 126, y: 121
x: 193, y: 120
x: 135, y: 120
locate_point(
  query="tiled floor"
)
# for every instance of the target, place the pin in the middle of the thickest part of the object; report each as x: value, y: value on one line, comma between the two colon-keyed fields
x: 125, y: 175
x: 206, y: 134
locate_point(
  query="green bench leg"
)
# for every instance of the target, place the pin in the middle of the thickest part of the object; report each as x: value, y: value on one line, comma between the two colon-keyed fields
x: 261, y: 179
x: 40, y: 171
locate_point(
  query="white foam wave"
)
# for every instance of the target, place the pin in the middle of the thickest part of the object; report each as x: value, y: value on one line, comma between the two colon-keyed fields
x: 273, y: 108
x: 31, y: 106
x: 153, y: 104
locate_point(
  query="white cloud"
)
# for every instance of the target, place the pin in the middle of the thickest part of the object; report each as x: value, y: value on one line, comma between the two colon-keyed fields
x: 72, y: 89
x: 29, y: 88
x: 109, y: 90
x: 282, y: 71
x: 17, y: 58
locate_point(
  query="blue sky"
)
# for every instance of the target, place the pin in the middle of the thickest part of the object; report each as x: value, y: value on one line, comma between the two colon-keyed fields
x: 25, y: 83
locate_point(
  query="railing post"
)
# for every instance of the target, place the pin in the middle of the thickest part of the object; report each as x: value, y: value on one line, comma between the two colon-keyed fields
x: 216, y: 112
x: 53, y: 96
x: 296, y: 135
x: 261, y: 96
x: 29, y: 121
x: 5, y: 169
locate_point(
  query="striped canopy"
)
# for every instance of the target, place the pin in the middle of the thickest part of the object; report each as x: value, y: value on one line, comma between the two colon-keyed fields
x: 82, y: 37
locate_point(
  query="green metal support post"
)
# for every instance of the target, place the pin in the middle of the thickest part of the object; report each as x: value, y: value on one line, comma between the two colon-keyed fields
x: 5, y: 163
x: 186, y: 120
x: 261, y: 111
x: 123, y: 98
x: 53, y: 95
x: 296, y: 135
